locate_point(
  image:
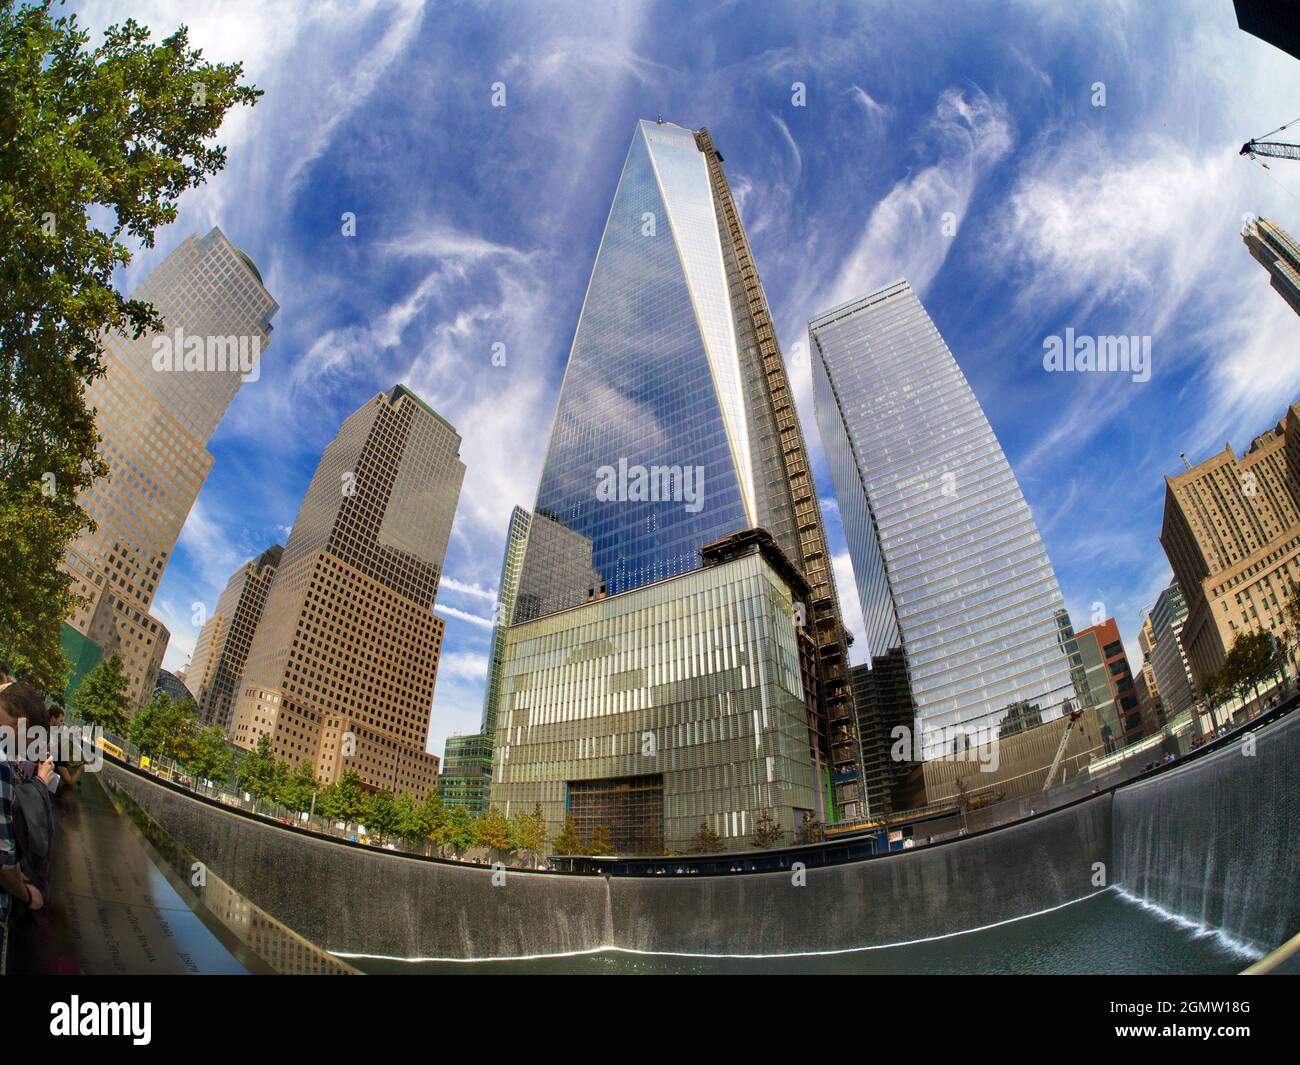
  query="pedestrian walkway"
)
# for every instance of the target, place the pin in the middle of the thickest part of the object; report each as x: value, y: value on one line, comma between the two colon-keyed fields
x: 112, y: 909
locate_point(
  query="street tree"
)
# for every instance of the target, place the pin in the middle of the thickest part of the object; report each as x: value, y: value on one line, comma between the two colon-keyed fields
x: 101, y: 698
x: 97, y: 145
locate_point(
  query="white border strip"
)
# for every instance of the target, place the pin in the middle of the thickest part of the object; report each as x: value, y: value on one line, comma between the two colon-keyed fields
x: 685, y: 954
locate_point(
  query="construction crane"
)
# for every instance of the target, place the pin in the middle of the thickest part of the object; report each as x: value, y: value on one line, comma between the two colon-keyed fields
x: 1060, y: 750
x: 1274, y: 149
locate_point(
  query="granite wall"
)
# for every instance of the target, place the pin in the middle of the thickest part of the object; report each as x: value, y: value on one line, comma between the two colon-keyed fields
x: 360, y: 900
x: 1216, y: 841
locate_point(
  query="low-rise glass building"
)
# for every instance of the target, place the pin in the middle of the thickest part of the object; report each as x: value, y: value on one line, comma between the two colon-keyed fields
x: 648, y: 714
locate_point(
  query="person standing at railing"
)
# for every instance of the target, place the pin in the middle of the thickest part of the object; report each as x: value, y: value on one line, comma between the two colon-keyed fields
x: 69, y: 771
x: 22, y: 707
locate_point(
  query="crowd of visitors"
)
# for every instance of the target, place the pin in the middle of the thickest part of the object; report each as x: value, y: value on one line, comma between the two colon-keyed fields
x: 33, y: 768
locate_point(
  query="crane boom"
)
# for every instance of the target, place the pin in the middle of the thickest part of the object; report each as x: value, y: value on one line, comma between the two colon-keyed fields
x: 1271, y: 148
x: 1060, y: 750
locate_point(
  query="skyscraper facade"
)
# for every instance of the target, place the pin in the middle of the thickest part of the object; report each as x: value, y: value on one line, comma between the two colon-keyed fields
x: 1274, y: 21
x: 1169, y: 663
x: 1149, y: 701
x: 156, y: 406
x: 1119, y: 683
x: 672, y: 706
x: 467, y: 760
x: 1232, y: 535
x: 676, y: 391
x: 342, y: 668
x: 947, y: 560
x: 675, y: 429
x: 1278, y: 253
x: 223, y: 642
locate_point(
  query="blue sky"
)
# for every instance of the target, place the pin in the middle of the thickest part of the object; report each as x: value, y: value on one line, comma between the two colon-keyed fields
x: 477, y: 225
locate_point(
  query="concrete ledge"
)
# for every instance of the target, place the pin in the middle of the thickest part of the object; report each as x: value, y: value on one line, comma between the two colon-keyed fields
x: 358, y: 900
x: 1216, y: 841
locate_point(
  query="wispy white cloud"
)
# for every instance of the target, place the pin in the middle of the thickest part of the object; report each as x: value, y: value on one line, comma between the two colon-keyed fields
x: 875, y: 110
x: 180, y: 648
x: 340, y: 97
x: 589, y: 58
x: 467, y: 588
x: 464, y: 664
x: 214, y: 546
x: 1088, y: 226
x: 905, y: 234
x: 795, y: 155
x: 464, y: 615
x: 440, y: 241
x: 1256, y: 374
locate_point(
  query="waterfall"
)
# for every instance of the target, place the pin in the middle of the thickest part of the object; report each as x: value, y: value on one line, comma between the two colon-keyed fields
x: 1217, y: 842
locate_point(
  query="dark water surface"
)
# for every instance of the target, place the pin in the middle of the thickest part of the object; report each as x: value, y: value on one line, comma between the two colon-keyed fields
x: 1107, y: 933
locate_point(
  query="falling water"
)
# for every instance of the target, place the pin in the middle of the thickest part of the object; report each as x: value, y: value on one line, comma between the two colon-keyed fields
x: 1217, y: 842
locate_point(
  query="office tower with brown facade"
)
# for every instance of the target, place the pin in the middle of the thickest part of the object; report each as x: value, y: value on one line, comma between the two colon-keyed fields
x: 156, y: 406
x: 1278, y: 253
x: 342, y: 668
x: 1232, y: 534
x: 222, y: 647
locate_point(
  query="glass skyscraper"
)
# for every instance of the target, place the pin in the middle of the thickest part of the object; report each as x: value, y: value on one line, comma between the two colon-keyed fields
x: 653, y: 381
x: 675, y: 429
x: 467, y: 760
x: 221, y: 649
x: 947, y: 559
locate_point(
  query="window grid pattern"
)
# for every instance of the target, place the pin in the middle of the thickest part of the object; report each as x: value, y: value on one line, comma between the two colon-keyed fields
x: 696, y: 679
x: 946, y: 555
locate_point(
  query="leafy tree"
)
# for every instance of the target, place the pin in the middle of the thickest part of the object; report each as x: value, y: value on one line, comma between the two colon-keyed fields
x: 1216, y: 688
x: 1278, y: 657
x: 260, y: 773
x: 382, y: 818
x: 492, y: 832
x: 120, y: 130
x: 705, y: 841
x: 1291, y: 617
x: 38, y: 598
x: 1250, y: 661
x: 529, y: 832
x: 298, y: 788
x: 101, y: 699
x: 430, y: 822
x: 459, y: 830
x: 410, y: 821
x: 811, y: 830
x: 432, y: 819
x: 601, y: 841
x: 165, y: 727
x: 568, y: 841
x: 767, y: 833
x: 344, y: 800
x: 209, y: 757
